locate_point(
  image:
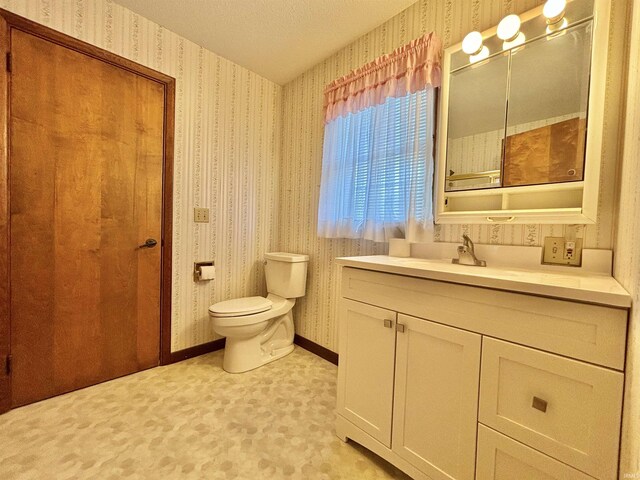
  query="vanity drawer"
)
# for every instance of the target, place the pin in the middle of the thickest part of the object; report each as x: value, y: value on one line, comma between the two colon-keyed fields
x: 593, y: 333
x: 564, y: 408
x: 501, y: 458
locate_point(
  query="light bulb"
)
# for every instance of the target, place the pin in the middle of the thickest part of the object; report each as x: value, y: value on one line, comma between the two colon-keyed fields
x: 472, y: 43
x: 519, y: 40
x: 481, y: 55
x: 509, y: 27
x: 554, y: 10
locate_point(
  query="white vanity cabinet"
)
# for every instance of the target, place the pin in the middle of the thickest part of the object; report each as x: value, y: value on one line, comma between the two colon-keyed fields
x: 436, y: 391
x: 402, y: 376
x: 501, y: 458
x: 365, y: 383
x: 451, y: 381
x: 568, y: 409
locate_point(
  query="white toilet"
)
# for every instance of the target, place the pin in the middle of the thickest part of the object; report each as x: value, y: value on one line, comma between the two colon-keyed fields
x: 260, y: 330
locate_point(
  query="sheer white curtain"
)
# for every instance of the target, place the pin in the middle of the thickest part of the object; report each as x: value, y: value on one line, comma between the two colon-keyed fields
x: 377, y: 166
x: 377, y: 171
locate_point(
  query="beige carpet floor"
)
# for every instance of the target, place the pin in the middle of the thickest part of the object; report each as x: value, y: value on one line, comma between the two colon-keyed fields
x: 191, y: 420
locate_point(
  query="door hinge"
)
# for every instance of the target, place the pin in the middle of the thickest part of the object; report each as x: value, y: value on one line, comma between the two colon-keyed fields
x: 8, y: 364
x: 8, y: 61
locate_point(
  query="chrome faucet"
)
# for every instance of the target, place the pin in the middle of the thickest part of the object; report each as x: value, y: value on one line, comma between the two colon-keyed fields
x: 467, y: 254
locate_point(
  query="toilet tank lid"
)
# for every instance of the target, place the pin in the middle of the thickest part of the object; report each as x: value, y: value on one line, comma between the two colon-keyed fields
x: 286, y: 257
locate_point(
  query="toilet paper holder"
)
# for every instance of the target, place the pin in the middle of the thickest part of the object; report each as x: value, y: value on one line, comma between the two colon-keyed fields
x: 197, y: 270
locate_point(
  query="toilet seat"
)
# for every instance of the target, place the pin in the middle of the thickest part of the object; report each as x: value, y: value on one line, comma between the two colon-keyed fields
x: 238, y: 307
x: 279, y: 306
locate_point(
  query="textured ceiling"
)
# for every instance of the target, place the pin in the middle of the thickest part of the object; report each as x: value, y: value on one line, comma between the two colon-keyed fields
x: 278, y: 39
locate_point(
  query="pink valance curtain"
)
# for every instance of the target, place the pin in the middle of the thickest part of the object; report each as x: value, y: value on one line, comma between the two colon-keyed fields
x: 406, y: 70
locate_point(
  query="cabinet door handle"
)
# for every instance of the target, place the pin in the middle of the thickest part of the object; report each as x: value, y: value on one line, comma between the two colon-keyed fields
x: 539, y: 404
x: 388, y: 323
x: 400, y: 327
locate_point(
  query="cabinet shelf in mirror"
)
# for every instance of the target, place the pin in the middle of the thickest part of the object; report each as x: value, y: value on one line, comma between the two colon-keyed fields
x: 561, y: 216
x: 516, y: 204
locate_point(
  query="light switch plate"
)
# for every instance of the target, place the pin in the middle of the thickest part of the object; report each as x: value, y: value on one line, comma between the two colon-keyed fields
x: 201, y: 215
x: 555, y: 252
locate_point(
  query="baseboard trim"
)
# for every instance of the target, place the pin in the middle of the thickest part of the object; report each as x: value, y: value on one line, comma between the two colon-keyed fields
x: 319, y: 350
x: 197, y: 350
x: 209, y: 347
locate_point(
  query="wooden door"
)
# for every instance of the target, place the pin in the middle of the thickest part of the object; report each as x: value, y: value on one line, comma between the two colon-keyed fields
x: 365, y: 376
x: 86, y: 188
x: 436, y: 398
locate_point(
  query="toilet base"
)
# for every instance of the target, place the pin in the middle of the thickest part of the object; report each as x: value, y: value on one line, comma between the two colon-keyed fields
x: 235, y: 362
x: 243, y: 354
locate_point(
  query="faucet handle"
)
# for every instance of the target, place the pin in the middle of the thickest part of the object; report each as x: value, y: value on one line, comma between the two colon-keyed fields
x: 467, y: 255
x: 467, y: 242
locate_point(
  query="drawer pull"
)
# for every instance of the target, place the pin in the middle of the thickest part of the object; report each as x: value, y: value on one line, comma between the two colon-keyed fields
x: 388, y: 323
x: 500, y: 219
x: 539, y: 404
x: 400, y: 327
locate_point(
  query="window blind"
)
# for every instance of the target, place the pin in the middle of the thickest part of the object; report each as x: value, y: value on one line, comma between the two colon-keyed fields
x: 375, y: 167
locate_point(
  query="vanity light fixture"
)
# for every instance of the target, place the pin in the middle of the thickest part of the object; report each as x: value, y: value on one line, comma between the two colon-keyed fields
x: 508, y: 28
x: 509, y: 32
x: 518, y: 40
x: 557, y: 28
x: 472, y: 46
x: 481, y: 55
x: 472, y: 43
x: 553, y: 10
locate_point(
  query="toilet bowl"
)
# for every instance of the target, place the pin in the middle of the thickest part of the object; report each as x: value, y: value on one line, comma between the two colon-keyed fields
x: 260, y: 330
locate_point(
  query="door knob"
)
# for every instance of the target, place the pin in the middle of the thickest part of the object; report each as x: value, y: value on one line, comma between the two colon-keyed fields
x: 149, y: 243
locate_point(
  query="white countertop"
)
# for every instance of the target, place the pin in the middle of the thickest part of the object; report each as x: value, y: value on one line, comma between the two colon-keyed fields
x: 583, y: 286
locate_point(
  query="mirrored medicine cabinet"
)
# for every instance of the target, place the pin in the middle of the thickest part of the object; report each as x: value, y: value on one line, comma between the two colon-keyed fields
x: 521, y: 119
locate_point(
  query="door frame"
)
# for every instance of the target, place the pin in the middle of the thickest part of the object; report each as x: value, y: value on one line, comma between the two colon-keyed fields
x: 9, y: 21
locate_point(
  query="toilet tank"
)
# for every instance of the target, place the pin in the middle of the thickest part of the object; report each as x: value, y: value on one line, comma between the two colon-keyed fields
x: 286, y: 274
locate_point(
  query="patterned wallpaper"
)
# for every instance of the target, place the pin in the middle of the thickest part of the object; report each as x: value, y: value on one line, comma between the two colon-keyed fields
x: 302, y: 135
x: 227, y: 153
x: 627, y: 253
x: 232, y: 124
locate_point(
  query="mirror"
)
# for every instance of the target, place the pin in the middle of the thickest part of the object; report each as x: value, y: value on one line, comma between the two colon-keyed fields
x: 520, y: 117
x: 477, y: 111
x: 546, y: 125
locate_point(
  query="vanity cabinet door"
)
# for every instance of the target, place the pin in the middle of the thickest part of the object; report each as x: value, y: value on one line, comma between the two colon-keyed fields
x: 365, y: 377
x: 436, y: 398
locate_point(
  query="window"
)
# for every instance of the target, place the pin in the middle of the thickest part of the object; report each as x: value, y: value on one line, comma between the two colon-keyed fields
x: 377, y: 161
x: 378, y: 170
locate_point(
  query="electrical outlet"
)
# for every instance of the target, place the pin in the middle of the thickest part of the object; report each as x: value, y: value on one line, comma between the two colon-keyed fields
x: 559, y: 251
x: 201, y: 215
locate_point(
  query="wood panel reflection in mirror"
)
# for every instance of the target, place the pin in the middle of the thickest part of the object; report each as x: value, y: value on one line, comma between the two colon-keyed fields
x: 549, y: 154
